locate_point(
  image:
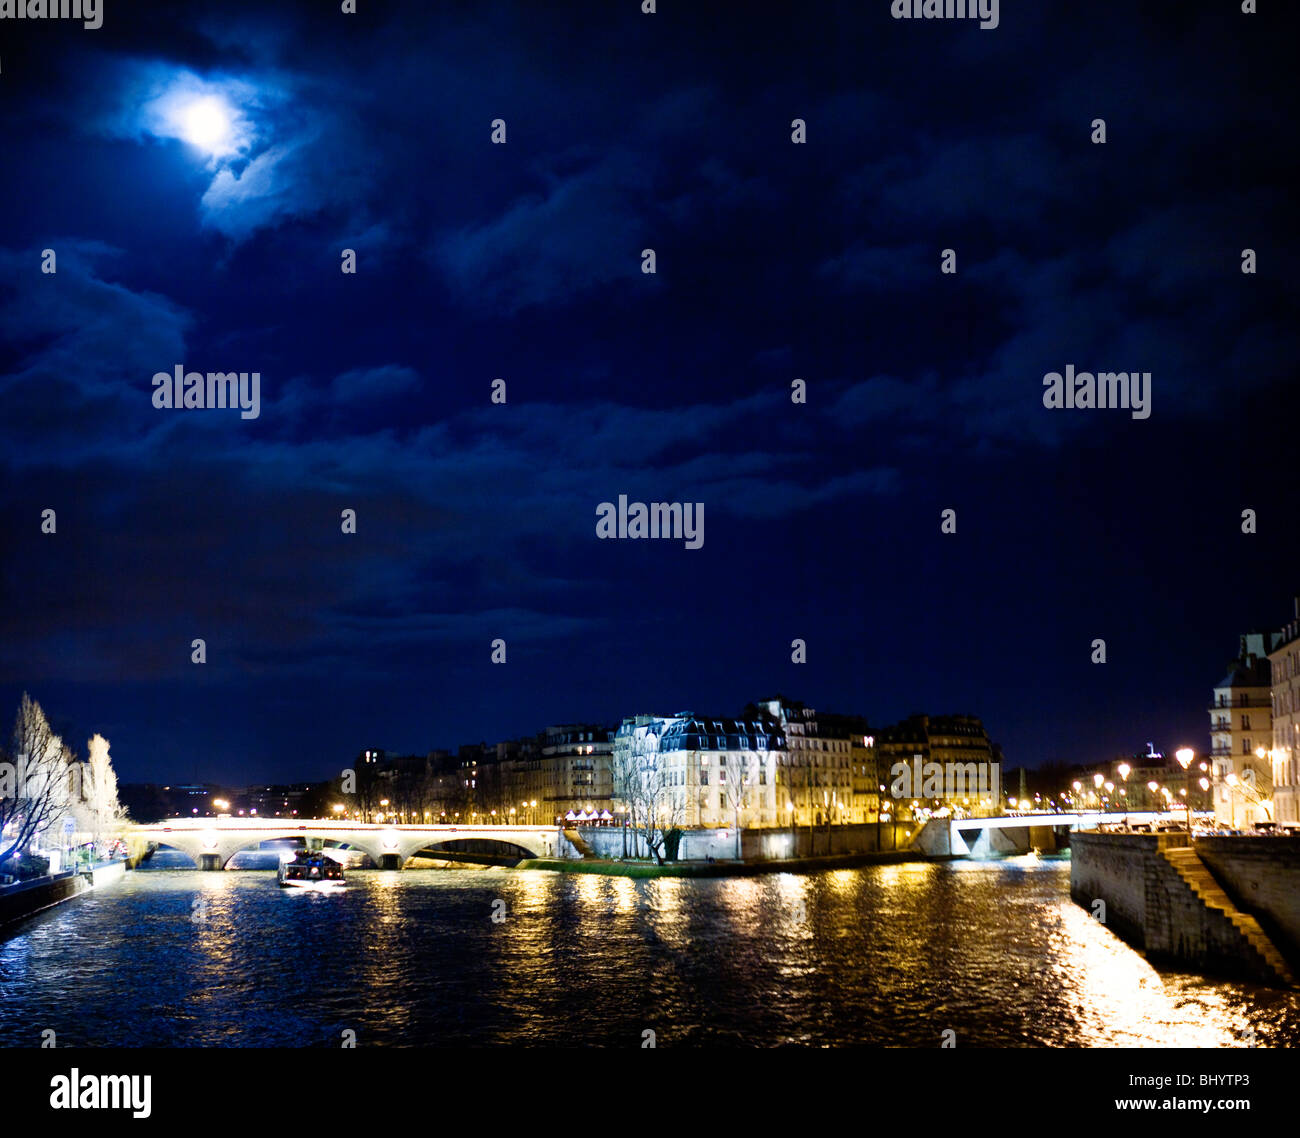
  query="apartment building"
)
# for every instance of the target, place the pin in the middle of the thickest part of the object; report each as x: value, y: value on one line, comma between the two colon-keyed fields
x: 1241, y: 725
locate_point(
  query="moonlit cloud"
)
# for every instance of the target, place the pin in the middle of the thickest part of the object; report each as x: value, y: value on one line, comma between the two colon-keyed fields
x: 212, y: 115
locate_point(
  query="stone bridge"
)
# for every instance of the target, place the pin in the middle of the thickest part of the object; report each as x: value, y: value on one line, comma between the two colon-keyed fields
x: 212, y: 842
x: 1017, y: 833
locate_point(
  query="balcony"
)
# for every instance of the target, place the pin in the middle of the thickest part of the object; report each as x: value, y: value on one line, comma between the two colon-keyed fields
x: 1241, y: 701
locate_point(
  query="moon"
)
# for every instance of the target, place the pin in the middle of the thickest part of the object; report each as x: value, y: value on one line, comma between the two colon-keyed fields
x: 206, y: 123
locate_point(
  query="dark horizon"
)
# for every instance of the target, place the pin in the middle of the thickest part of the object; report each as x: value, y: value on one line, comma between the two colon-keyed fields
x: 776, y: 262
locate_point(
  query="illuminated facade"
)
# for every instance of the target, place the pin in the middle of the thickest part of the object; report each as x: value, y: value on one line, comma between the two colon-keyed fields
x: 1241, y: 723
x: 1284, y: 662
x: 959, y: 740
x: 724, y: 771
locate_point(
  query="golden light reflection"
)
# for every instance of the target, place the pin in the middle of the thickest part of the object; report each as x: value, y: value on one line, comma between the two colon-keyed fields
x: 906, y: 873
x: 665, y: 912
x: 625, y: 895
x: 843, y: 882
x: 536, y: 885
x: 588, y: 886
x: 1122, y: 1001
x: 742, y: 897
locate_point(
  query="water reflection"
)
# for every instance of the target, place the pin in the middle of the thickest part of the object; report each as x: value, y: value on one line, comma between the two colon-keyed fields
x: 890, y: 955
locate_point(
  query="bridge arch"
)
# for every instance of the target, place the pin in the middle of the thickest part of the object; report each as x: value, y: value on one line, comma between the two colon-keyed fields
x: 497, y: 848
x: 211, y: 843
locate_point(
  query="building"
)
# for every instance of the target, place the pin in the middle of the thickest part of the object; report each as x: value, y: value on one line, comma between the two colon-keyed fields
x: 818, y: 775
x: 1145, y: 781
x: 781, y: 763
x: 865, y: 774
x: 278, y: 801
x: 1241, y: 724
x: 1284, y: 675
x: 722, y: 772
x: 954, y: 742
x: 568, y: 771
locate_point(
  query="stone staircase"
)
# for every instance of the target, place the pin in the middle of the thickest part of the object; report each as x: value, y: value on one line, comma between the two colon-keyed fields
x: 1194, y: 873
x: 579, y: 844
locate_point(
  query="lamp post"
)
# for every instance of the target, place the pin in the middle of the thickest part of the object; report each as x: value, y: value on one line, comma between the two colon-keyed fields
x: 1124, y: 770
x: 1185, y: 755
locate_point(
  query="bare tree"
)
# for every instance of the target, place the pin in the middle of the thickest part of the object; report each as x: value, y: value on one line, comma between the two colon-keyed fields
x: 624, y: 770
x: 663, y: 806
x: 738, y: 776
x: 99, y: 793
x: 35, y: 791
x: 656, y: 806
x: 794, y: 779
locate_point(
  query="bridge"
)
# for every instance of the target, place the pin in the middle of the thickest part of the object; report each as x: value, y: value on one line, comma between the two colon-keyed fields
x: 1019, y: 833
x: 212, y: 842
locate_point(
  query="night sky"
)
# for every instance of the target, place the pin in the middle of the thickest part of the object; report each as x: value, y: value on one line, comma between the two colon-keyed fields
x: 775, y: 262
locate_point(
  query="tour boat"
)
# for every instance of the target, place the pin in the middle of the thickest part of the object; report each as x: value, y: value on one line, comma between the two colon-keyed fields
x: 310, y: 869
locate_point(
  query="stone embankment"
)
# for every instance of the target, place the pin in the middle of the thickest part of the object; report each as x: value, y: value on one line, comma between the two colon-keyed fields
x: 1229, y: 906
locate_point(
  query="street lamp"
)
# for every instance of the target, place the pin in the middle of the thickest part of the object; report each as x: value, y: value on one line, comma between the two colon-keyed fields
x: 1185, y: 755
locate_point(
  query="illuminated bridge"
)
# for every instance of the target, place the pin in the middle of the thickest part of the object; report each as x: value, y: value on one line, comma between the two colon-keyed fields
x: 212, y: 842
x: 1018, y: 833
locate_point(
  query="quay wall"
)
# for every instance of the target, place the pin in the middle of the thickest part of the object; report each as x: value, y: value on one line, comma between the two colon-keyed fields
x: 756, y: 844
x: 17, y: 902
x: 1262, y: 875
x: 1149, y: 904
x: 26, y: 899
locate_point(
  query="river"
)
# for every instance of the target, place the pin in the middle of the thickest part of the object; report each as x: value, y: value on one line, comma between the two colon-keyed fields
x: 891, y: 955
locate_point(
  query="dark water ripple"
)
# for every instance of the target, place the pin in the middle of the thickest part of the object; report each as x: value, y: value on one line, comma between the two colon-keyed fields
x: 885, y: 955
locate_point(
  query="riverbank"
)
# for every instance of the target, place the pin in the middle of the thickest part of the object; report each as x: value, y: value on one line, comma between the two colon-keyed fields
x: 1222, y: 906
x: 612, y: 868
x: 20, y: 902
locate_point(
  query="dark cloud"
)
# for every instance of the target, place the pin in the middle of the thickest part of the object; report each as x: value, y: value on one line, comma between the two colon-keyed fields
x: 818, y: 262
